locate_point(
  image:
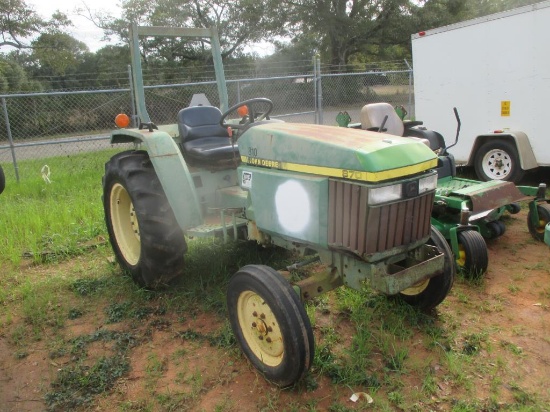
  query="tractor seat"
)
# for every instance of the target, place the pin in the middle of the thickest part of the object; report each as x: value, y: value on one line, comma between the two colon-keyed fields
x: 372, y: 118
x: 202, y: 136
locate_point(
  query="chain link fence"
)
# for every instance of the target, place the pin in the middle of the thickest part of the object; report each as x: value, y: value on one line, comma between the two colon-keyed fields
x: 62, y: 124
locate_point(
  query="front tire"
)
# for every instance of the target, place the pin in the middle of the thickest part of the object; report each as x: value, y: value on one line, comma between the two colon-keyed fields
x: 431, y: 292
x: 270, y: 324
x: 498, y: 160
x: 537, y: 229
x: 473, y: 258
x: 144, y: 234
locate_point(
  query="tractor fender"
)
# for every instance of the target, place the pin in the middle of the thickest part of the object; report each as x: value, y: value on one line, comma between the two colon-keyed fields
x: 526, y: 155
x: 172, y: 171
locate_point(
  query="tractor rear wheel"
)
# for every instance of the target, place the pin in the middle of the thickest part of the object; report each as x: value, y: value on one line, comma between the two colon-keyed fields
x: 537, y: 230
x: 429, y: 293
x: 270, y: 324
x: 2, y: 180
x: 146, y: 238
x: 472, y: 258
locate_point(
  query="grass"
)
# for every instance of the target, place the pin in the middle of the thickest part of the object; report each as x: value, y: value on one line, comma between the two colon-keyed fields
x: 102, y: 334
x: 45, y: 221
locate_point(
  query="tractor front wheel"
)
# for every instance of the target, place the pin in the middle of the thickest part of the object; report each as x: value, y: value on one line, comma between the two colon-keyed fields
x: 146, y: 238
x: 429, y: 293
x: 472, y: 258
x: 270, y: 324
x: 537, y: 229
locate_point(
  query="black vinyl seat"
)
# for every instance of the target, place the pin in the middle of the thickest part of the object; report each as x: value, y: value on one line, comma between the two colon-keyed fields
x: 202, y: 136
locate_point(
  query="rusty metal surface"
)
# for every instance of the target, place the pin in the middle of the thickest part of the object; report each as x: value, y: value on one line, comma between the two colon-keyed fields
x: 490, y: 195
x: 369, y: 230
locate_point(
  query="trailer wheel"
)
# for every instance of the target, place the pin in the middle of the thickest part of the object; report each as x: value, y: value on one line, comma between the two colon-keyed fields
x: 537, y: 230
x: 270, y: 324
x: 2, y: 180
x: 431, y: 292
x: 146, y: 238
x: 498, y: 160
x: 473, y: 258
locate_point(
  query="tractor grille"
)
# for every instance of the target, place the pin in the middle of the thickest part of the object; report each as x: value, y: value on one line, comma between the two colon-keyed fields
x: 364, y: 229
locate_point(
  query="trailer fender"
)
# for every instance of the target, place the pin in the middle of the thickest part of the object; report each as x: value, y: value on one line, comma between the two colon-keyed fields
x: 526, y: 155
x: 173, y: 173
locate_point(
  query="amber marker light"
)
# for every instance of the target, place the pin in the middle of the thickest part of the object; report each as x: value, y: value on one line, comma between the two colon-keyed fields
x: 242, y: 111
x: 122, y: 120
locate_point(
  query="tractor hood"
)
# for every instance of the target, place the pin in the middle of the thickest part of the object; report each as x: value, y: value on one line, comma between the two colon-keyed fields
x: 334, y: 151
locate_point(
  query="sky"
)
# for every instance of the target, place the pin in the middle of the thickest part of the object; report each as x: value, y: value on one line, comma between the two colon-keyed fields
x: 83, y: 29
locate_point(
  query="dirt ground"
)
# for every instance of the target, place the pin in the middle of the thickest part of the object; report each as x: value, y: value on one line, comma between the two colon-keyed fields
x: 511, y: 304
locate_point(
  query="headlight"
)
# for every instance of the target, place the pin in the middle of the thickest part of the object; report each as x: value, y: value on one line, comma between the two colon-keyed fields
x: 427, y: 184
x: 385, y: 194
x: 406, y: 190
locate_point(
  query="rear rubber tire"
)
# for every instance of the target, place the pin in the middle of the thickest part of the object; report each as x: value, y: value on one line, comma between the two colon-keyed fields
x: 473, y: 258
x: 145, y: 236
x: 2, y: 180
x: 537, y: 230
x: 498, y: 160
x: 270, y: 324
x: 431, y: 292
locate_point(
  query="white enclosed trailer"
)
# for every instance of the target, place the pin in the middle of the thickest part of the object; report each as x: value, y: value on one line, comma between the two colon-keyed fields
x: 496, y: 71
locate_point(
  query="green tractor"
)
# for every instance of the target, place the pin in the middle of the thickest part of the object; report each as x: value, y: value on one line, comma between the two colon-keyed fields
x: 359, y: 204
x: 465, y: 211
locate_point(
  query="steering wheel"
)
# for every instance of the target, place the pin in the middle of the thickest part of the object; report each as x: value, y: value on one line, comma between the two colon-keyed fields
x: 252, y: 115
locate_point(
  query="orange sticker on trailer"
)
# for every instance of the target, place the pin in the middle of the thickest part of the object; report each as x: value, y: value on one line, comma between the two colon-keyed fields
x: 505, y: 108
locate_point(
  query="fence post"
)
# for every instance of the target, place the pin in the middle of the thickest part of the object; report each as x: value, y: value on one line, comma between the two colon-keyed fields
x: 315, y: 108
x: 238, y: 91
x: 132, y: 100
x: 12, y: 148
x: 319, y: 91
x: 410, y: 90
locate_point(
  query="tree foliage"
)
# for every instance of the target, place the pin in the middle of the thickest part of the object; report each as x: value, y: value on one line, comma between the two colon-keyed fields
x: 239, y: 23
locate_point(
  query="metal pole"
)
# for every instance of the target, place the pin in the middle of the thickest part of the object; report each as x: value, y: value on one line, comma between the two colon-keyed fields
x: 132, y: 100
x: 410, y: 89
x: 238, y: 91
x: 315, y: 90
x: 320, y: 91
x: 12, y: 148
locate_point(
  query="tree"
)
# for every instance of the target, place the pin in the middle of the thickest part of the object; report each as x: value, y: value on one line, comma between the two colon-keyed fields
x: 347, y: 27
x: 59, y: 53
x: 239, y: 23
x: 17, y: 23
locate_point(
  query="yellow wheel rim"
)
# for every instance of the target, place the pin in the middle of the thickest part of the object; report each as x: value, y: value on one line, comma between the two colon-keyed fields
x: 541, y: 226
x: 125, y: 224
x: 417, y: 288
x: 260, y: 328
x: 461, y: 258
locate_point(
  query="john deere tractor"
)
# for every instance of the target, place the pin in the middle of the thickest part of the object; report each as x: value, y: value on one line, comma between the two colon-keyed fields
x: 359, y: 203
x: 465, y: 211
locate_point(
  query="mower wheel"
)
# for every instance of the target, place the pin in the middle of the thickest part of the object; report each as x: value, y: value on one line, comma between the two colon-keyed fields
x: 429, y: 293
x: 514, y: 208
x: 2, y: 180
x: 145, y: 236
x: 537, y: 230
x: 498, y: 160
x: 270, y: 324
x: 496, y: 228
x: 473, y: 258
